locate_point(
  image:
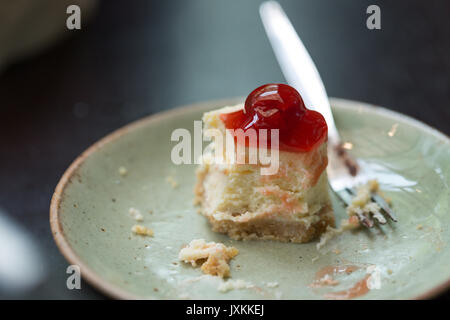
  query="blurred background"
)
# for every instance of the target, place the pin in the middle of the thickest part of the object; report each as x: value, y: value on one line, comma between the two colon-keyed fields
x: 61, y: 90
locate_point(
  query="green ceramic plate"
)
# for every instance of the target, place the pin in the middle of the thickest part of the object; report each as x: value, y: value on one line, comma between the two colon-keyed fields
x: 92, y: 227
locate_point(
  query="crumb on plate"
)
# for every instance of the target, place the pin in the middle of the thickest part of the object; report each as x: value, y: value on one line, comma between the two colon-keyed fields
x: 238, y: 284
x: 272, y: 284
x: 326, y: 280
x: 171, y: 180
x: 362, y: 203
x: 136, y: 214
x: 214, y: 257
x: 123, y: 171
x: 142, y: 230
x: 346, y: 224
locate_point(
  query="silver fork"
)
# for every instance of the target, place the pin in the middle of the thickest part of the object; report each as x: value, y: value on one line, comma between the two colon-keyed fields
x: 344, y: 183
x: 344, y: 172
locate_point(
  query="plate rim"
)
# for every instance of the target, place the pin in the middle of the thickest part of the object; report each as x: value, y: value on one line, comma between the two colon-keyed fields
x: 116, y: 292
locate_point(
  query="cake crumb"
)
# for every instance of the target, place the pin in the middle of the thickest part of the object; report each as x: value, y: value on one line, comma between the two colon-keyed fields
x: 389, y: 271
x: 393, y: 130
x: 419, y: 227
x: 214, y: 257
x: 272, y: 284
x: 238, y: 284
x: 123, y: 171
x: 142, y: 230
x: 346, y: 224
x: 326, y: 280
x: 337, y: 251
x: 136, y: 214
x: 362, y: 203
x: 172, y: 182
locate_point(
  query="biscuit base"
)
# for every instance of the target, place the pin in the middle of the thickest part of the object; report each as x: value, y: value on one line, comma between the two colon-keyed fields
x: 268, y: 228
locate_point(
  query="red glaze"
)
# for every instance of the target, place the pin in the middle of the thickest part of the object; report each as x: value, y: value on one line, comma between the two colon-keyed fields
x: 279, y: 106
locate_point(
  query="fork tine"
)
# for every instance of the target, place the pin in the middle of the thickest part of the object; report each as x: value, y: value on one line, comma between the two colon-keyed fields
x: 379, y: 217
x: 384, y: 206
x: 365, y: 220
x: 345, y: 196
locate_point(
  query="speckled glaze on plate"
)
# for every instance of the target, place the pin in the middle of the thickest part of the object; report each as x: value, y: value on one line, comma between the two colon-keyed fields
x: 91, y: 225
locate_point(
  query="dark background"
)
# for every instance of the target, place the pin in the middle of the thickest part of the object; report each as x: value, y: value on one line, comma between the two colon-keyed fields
x: 136, y: 58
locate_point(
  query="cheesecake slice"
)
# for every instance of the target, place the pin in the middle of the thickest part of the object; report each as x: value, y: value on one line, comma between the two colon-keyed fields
x: 242, y: 200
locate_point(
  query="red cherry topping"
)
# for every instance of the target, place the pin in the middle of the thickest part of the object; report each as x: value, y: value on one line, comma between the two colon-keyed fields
x: 279, y: 106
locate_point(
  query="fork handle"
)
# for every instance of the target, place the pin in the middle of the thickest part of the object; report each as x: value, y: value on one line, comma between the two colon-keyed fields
x: 296, y: 64
x: 301, y: 73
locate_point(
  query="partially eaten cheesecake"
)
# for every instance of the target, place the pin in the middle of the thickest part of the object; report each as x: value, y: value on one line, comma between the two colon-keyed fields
x: 246, y: 200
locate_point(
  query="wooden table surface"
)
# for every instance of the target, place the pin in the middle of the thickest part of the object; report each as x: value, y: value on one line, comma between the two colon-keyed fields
x: 140, y: 57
